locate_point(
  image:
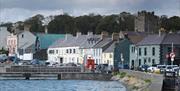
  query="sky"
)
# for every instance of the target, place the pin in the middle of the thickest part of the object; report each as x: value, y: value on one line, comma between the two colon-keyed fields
x: 19, y: 10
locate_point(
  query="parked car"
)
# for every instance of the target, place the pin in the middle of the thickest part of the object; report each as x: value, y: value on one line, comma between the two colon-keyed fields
x: 171, y: 67
x: 162, y: 68
x: 144, y: 67
x: 152, y: 69
x: 3, y: 57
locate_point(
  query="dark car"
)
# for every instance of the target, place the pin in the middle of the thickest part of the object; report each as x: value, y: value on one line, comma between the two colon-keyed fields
x: 144, y: 67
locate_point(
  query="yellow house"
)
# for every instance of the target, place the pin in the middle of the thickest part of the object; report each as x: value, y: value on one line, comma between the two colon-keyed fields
x: 108, y: 55
x: 107, y: 58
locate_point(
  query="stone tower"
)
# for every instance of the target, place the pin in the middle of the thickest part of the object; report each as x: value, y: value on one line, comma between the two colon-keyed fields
x: 146, y: 22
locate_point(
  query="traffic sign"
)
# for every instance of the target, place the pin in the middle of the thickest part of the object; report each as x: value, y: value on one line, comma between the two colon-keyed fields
x: 172, y: 55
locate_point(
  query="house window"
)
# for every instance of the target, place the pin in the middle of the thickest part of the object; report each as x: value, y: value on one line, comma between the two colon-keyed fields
x: 110, y: 55
x: 132, y: 49
x: 145, y: 61
x: 70, y: 51
x: 22, y: 35
x: 139, y: 51
x: 145, y: 51
x: 67, y: 51
x: 51, y: 51
x: 153, y: 51
x: 74, y: 51
x: 139, y: 62
x: 56, y: 51
x: 153, y: 61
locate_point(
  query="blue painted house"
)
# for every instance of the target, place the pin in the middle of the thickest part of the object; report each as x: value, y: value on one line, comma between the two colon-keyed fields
x: 121, y: 53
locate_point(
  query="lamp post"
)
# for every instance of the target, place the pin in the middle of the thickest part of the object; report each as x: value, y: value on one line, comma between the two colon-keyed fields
x: 122, y: 60
x: 172, y: 55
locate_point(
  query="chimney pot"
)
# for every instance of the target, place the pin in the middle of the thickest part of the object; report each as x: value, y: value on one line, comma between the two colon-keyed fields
x: 90, y: 33
x: 115, y: 36
x: 104, y: 34
x: 78, y: 34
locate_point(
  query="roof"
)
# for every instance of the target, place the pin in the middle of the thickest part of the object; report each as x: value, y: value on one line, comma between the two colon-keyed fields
x: 152, y: 40
x: 135, y: 37
x: 83, y: 41
x: 103, y: 43
x: 172, y: 38
x: 48, y: 39
x: 110, y: 48
x: 27, y: 40
x: 163, y: 39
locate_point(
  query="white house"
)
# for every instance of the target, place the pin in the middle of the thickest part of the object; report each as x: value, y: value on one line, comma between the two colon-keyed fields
x: 26, y: 45
x: 73, y: 49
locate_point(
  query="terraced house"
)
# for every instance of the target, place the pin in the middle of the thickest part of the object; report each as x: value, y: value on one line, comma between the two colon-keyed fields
x: 154, y: 48
x: 76, y: 49
x: 72, y: 49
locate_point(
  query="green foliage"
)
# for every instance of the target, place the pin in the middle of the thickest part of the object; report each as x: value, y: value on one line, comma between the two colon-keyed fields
x: 8, y: 25
x: 148, y: 80
x: 2, y: 51
x: 135, y: 87
x: 95, y: 23
x: 35, y: 23
x: 122, y: 74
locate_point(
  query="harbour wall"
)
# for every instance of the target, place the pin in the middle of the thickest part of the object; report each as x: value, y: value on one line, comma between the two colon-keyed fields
x: 59, y: 76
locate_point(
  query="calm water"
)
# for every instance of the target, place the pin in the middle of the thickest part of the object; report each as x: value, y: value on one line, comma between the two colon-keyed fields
x: 60, y: 85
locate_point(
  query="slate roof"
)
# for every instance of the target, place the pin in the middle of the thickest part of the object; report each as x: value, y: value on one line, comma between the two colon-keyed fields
x: 163, y: 39
x: 48, y: 39
x: 110, y: 48
x: 103, y: 43
x: 135, y: 37
x: 175, y: 38
x: 83, y: 41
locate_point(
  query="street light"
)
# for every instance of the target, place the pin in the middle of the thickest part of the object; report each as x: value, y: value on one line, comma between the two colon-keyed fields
x: 122, y: 60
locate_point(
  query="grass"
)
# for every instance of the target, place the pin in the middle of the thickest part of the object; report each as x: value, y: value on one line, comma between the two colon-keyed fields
x: 122, y: 74
x: 147, y: 80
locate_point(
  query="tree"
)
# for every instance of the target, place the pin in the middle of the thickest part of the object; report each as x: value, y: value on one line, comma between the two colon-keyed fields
x: 62, y: 24
x: 8, y: 25
x: 109, y: 24
x: 35, y: 23
x: 87, y: 23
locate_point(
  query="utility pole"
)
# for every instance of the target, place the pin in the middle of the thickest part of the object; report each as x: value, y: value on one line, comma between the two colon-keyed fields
x: 122, y: 60
x: 172, y: 54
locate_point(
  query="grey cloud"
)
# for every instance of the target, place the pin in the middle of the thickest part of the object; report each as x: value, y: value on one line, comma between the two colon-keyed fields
x: 81, y: 7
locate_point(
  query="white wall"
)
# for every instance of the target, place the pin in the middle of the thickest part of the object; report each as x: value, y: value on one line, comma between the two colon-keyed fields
x: 61, y: 52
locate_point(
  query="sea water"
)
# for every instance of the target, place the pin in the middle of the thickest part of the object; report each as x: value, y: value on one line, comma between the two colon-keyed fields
x: 60, y: 85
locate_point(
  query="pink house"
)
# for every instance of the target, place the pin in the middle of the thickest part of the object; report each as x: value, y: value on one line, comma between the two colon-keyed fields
x: 12, y: 44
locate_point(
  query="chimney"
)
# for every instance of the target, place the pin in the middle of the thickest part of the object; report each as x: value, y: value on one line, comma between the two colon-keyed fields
x: 121, y: 35
x: 90, y: 33
x: 104, y: 34
x: 26, y: 27
x: 78, y: 34
x: 115, y: 36
x: 46, y: 29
